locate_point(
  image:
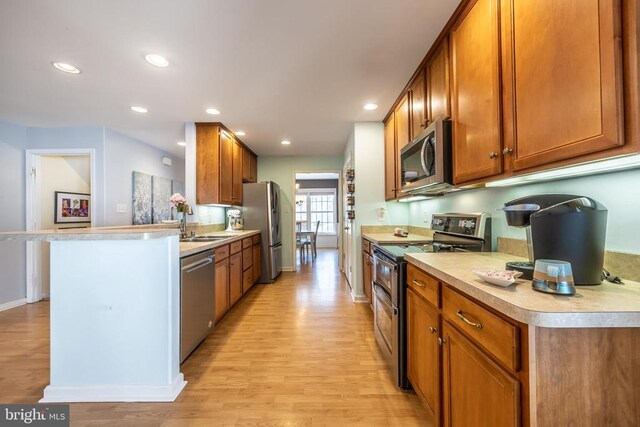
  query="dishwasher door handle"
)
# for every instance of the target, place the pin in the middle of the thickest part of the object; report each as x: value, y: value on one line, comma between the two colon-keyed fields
x: 199, y: 264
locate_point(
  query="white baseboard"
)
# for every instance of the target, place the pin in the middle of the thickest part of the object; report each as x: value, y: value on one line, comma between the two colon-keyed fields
x: 12, y: 304
x: 288, y: 269
x: 360, y: 298
x: 114, y: 393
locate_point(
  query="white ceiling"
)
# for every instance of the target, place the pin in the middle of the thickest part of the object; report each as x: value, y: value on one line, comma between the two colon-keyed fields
x: 315, y: 175
x: 280, y: 69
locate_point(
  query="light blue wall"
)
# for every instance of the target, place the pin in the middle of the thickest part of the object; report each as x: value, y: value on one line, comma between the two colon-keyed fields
x: 281, y: 169
x: 13, y: 140
x: 618, y: 191
x: 123, y: 155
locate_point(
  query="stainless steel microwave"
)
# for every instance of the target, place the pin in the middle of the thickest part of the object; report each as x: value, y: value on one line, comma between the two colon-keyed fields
x: 426, y: 163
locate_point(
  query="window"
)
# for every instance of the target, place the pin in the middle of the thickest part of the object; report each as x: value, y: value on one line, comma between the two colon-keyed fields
x: 317, y: 205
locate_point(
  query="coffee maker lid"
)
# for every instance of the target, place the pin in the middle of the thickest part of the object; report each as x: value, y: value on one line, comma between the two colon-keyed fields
x: 575, y: 205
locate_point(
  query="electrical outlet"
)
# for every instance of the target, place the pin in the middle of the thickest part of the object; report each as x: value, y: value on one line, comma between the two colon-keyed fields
x: 426, y: 217
x: 121, y: 208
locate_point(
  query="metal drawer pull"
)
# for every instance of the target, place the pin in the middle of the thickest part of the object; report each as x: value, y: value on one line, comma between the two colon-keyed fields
x: 419, y: 283
x: 467, y: 321
x: 441, y: 341
x: 432, y: 329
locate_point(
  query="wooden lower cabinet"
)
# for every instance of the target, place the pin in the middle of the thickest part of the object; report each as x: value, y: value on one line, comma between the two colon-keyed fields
x: 247, y: 280
x: 221, y: 288
x: 367, y: 276
x: 235, y: 277
x: 423, y: 328
x: 476, y: 391
x: 257, y: 262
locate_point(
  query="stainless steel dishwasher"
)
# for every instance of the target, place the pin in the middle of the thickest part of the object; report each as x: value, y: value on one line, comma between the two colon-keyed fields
x: 197, y: 275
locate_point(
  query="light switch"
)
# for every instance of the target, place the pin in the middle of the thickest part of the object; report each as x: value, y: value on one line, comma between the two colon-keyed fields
x: 121, y: 208
x: 426, y: 217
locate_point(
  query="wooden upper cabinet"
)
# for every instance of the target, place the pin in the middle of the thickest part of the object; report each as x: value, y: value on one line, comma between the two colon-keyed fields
x: 475, y: 92
x: 401, y: 115
x: 226, y: 167
x: 562, y: 72
x: 246, y: 165
x: 254, y: 169
x: 390, y: 156
x: 207, y: 163
x: 476, y: 391
x: 236, y: 194
x: 417, y: 102
x: 438, y: 93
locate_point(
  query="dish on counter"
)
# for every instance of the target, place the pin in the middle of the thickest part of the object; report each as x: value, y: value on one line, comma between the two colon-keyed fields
x: 502, y: 278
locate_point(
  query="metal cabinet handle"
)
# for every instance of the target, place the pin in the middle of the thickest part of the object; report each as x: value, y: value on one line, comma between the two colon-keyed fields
x: 507, y: 151
x: 419, y: 283
x: 467, y: 321
x: 421, y: 125
x: 441, y: 341
x: 432, y: 329
x: 493, y: 155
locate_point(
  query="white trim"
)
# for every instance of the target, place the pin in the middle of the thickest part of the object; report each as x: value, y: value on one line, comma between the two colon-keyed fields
x: 32, y: 212
x: 288, y: 269
x: 360, y: 299
x: 12, y: 304
x: 131, y: 393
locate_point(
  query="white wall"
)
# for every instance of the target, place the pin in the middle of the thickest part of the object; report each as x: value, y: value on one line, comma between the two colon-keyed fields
x: 281, y: 170
x: 366, y: 145
x: 123, y: 156
x: 618, y: 191
x: 13, y: 140
x: 58, y: 173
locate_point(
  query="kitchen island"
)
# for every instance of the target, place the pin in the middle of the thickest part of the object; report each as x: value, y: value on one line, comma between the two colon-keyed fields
x: 513, y: 356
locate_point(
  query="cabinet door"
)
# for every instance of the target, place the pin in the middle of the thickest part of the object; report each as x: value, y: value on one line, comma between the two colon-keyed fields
x: 401, y: 114
x: 438, y: 83
x: 563, y: 79
x: 475, y: 95
x: 246, y: 165
x: 226, y: 167
x: 366, y: 275
x: 423, y: 351
x: 390, y: 158
x: 221, y: 288
x: 247, y: 280
x: 417, y: 95
x: 257, y: 267
x: 235, y: 277
x: 237, y: 173
x: 254, y: 168
x: 207, y: 163
x: 477, y: 392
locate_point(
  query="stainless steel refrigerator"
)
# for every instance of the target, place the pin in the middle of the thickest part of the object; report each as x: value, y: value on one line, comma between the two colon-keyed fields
x: 261, y: 211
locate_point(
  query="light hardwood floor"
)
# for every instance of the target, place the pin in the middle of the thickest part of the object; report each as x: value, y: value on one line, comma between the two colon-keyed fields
x: 295, y: 353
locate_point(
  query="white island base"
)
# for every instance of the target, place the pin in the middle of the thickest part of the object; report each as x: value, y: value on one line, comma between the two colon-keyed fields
x: 115, y: 317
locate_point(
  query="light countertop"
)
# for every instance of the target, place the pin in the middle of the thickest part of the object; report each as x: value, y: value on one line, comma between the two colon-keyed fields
x: 384, y: 238
x: 606, y: 305
x: 190, y: 248
x: 98, y: 233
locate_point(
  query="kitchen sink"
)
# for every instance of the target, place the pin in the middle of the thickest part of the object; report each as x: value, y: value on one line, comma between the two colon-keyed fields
x: 202, y: 239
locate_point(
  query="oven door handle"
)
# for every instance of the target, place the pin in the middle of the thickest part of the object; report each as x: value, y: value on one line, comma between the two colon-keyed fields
x: 376, y: 258
x: 380, y: 298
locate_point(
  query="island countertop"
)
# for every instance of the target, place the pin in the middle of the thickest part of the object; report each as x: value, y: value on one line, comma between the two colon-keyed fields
x: 92, y: 233
x: 604, y: 306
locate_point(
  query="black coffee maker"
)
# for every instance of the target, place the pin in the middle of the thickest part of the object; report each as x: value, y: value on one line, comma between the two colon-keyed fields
x: 562, y: 227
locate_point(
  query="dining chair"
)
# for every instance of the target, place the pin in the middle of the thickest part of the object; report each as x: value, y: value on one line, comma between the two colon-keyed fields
x: 312, y: 241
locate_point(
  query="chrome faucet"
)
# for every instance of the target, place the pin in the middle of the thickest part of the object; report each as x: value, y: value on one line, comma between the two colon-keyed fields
x: 183, y: 223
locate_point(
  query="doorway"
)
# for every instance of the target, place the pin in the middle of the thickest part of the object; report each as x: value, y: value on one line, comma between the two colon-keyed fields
x: 60, y: 190
x: 317, y: 214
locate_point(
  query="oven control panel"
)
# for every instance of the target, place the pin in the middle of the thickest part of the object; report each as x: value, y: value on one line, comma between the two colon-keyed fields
x: 463, y: 224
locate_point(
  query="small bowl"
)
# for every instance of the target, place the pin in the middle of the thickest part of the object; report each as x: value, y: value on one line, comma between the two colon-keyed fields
x: 501, y: 278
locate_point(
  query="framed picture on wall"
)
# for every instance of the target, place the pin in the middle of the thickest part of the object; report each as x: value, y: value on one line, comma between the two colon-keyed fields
x: 72, y: 208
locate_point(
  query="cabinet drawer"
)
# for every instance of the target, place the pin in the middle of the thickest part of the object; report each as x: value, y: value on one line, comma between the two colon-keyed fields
x: 497, y: 336
x: 236, y: 247
x: 366, y: 246
x: 256, y: 239
x: 246, y: 243
x: 247, y: 258
x: 222, y: 252
x: 425, y: 285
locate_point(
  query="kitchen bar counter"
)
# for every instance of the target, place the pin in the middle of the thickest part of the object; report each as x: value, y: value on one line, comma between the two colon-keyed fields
x: 390, y: 238
x: 98, y: 233
x: 608, y: 305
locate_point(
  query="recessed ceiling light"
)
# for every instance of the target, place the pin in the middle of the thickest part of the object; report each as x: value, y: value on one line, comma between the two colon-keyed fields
x: 370, y: 106
x: 157, y: 60
x: 182, y: 143
x: 240, y: 133
x: 67, y: 68
x: 285, y: 142
x: 139, y: 109
x: 213, y: 111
